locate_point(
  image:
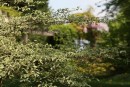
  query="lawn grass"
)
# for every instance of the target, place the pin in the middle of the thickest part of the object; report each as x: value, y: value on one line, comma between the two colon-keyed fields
x: 120, y: 80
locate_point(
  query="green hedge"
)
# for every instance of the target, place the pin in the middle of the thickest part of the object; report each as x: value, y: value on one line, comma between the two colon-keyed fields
x: 65, y: 33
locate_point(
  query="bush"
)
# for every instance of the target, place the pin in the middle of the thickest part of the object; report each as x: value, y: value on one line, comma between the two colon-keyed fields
x: 65, y: 34
x: 36, y: 65
x: 101, y: 61
x: 33, y: 64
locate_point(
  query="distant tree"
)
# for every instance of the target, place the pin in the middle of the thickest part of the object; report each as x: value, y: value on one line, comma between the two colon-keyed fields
x: 88, y: 25
x: 82, y: 17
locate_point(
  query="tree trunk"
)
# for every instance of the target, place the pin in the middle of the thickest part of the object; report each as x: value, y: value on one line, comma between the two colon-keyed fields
x: 25, y: 38
x: 0, y: 82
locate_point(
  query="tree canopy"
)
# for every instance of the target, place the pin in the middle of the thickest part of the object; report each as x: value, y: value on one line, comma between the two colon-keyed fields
x: 26, y: 6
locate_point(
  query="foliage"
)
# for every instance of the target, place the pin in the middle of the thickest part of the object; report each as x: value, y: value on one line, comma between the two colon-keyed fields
x: 124, y: 14
x: 37, y: 21
x: 113, y: 6
x: 38, y: 65
x: 118, y: 33
x: 80, y: 18
x: 65, y: 33
x: 120, y: 10
x: 10, y: 11
x: 28, y: 65
x: 101, y: 61
x: 113, y: 81
x: 89, y: 26
x: 26, y: 6
x: 33, y: 64
x: 22, y: 64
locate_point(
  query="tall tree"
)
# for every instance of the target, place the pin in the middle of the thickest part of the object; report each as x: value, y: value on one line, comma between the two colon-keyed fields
x: 35, y: 12
x: 121, y: 7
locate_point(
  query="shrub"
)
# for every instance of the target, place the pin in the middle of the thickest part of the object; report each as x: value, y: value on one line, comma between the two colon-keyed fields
x: 33, y: 64
x: 36, y: 65
x: 108, y: 60
x: 65, y: 33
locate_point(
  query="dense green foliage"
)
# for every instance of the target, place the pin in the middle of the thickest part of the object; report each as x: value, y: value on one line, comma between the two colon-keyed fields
x: 121, y: 80
x: 102, y: 61
x: 33, y: 64
x: 10, y: 11
x: 123, y: 15
x: 65, y: 34
x: 36, y: 64
x: 120, y: 30
x: 36, y: 69
x: 84, y: 17
x: 26, y: 6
